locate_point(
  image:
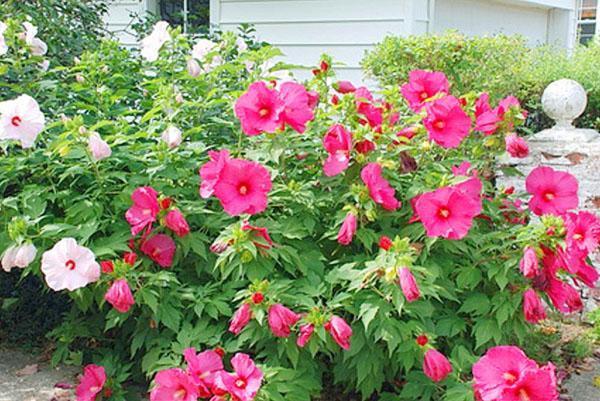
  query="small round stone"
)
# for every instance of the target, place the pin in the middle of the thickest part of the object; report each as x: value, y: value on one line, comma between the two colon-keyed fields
x: 563, y: 101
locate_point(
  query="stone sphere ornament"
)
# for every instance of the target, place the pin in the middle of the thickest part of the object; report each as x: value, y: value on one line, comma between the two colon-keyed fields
x: 563, y: 101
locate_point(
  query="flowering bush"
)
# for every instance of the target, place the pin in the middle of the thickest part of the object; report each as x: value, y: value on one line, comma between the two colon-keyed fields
x: 196, y: 198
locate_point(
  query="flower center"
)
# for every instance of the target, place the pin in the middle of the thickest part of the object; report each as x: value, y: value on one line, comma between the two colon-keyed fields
x: 423, y: 95
x: 263, y: 112
x: 243, y: 189
x: 523, y: 396
x: 16, y: 121
x: 240, y: 383
x: 510, y: 378
x: 180, y: 394
x: 70, y: 264
x: 578, y: 237
x: 548, y: 196
x: 444, y: 212
x: 439, y: 124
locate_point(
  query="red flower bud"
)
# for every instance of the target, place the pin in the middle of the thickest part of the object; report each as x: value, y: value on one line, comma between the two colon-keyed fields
x: 324, y: 66
x: 385, y: 243
x: 130, y: 258
x: 165, y: 203
x: 335, y: 100
x: 220, y: 351
x: 107, y: 266
x: 316, y: 72
x: 257, y: 298
x: 422, y: 340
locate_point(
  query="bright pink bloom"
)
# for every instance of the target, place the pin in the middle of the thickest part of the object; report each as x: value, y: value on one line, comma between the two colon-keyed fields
x: 175, y: 222
x: 161, y: 249
x: 583, y: 231
x: 144, y: 210
x: 408, y: 132
x: 244, y: 383
x: 447, y: 212
x: 408, y: 284
x: 506, y: 104
x: 505, y: 373
x: 340, y: 331
x: 202, y: 368
x: 373, y: 115
x: 344, y: 87
x: 533, y: 309
x: 119, y: 296
x: 363, y: 94
x: 436, y: 366
x: 297, y: 110
x: 554, y: 192
x: 21, y: 119
x: 338, y: 143
x: 91, y: 383
x: 313, y: 99
x: 347, y: 230
x: 516, y: 146
x: 174, y: 385
x: 69, y: 266
x: 259, y: 109
x: 242, y: 187
x: 486, y: 119
x: 462, y: 169
x: 306, y: 332
x: 240, y: 319
x: 423, y: 85
x: 446, y: 122
x: 210, y: 172
x: 281, y: 319
x: 259, y: 235
x: 529, y: 264
x: 564, y: 297
x: 379, y: 189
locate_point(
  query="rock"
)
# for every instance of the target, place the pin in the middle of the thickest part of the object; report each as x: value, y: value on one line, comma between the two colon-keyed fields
x: 581, y: 386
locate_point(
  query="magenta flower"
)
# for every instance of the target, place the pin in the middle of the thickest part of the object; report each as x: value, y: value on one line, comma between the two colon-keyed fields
x: 306, y: 332
x: 423, y: 85
x: 408, y: 284
x: 338, y: 143
x: 347, y: 230
x: 244, y: 383
x: 297, y: 106
x: 160, y: 248
x: 372, y: 114
x: 446, y: 122
x: 486, y: 119
x: 281, y: 319
x: 436, y: 366
x: 144, y: 210
x: 175, y: 222
x: 174, y: 384
x: 506, y: 104
x: 202, y: 368
x: 529, y: 264
x: 259, y: 109
x: 516, y: 146
x: 69, y: 266
x: 259, y: 235
x: 533, y: 309
x: 344, y: 87
x: 379, y: 189
x: 240, y: 319
x: 91, y: 383
x: 119, y: 296
x: 553, y: 192
x: 583, y: 231
x: 210, y: 172
x: 340, y: 331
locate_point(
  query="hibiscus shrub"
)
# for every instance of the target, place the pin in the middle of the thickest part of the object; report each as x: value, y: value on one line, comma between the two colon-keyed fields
x: 232, y: 234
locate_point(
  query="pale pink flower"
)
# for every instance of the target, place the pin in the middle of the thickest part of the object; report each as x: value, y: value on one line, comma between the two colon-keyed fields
x: 193, y: 68
x: 3, y: 45
x: 172, y: 136
x: 38, y: 47
x: 151, y: 44
x: 98, y: 147
x: 241, y: 44
x: 18, y: 256
x: 119, y: 296
x: 202, y: 48
x: 21, y: 119
x: 44, y: 65
x: 91, y: 383
x: 69, y: 266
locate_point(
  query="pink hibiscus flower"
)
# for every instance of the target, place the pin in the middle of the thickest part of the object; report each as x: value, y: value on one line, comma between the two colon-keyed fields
x: 258, y: 235
x: 423, y: 85
x: 516, y: 146
x: 306, y: 332
x: 240, y: 319
x: 347, y: 230
x: 372, y: 114
x: 529, y: 264
x: 297, y: 106
x: 259, y: 109
x: 119, y: 296
x: 338, y: 143
x: 583, y: 231
x: 408, y: 284
x: 176, y: 222
x: 210, y: 172
x: 69, y: 266
x: 151, y: 44
x: 533, y: 309
x: 436, y: 366
x: 160, y: 248
x: 98, y: 147
x: 18, y: 256
x: 174, y: 384
x: 242, y: 187
x: 340, y: 331
x: 202, y: 368
x: 379, y: 189
x: 91, y: 383
x: 446, y: 122
x: 144, y: 210
x: 21, y: 120
x: 281, y: 319
x: 553, y: 192
x: 244, y: 383
x: 486, y: 119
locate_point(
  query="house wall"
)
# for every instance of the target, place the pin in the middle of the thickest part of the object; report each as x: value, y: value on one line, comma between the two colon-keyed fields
x: 118, y: 19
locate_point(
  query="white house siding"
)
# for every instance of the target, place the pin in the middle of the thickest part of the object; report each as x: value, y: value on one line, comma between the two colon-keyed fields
x: 118, y: 19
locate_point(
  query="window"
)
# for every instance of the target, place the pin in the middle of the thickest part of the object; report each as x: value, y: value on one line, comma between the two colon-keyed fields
x: 587, y: 20
x: 192, y: 15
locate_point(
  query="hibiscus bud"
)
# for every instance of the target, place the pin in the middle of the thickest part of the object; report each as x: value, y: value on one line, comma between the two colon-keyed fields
x: 130, y: 258
x: 347, y: 230
x: 422, y: 340
x: 408, y: 284
x: 175, y: 222
x: 218, y: 247
x: 20, y: 256
x: 335, y: 100
x: 107, y: 266
x: 533, y: 309
x: 436, y: 366
x: 516, y: 146
x: 172, y: 137
x: 364, y: 146
x: 385, y: 243
x: 529, y: 264
x: 509, y: 191
x: 281, y: 319
x: 193, y: 68
x: 119, y: 296
x: 165, y: 203
x: 257, y: 298
x: 324, y: 66
x: 240, y: 319
x: 316, y: 71
x: 306, y: 332
x: 220, y: 351
x: 313, y: 99
x: 79, y: 78
x: 98, y: 147
x: 344, y: 87
x: 340, y: 331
